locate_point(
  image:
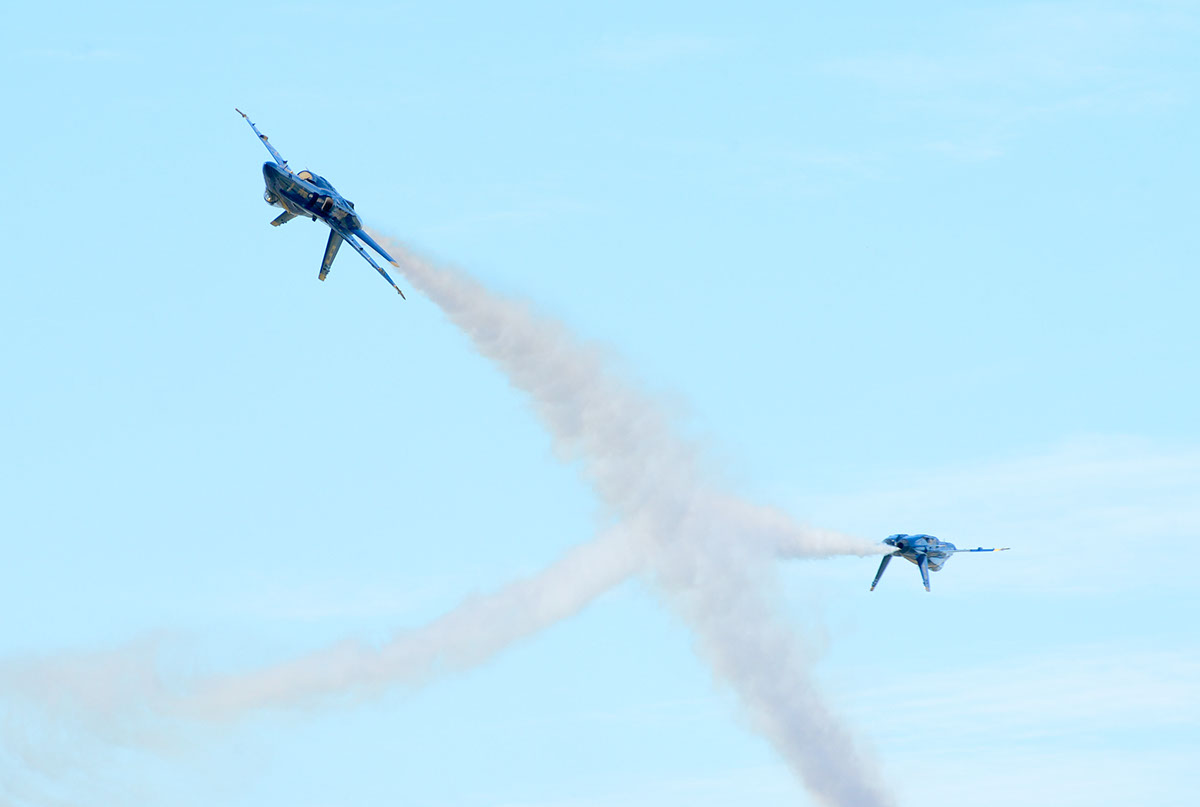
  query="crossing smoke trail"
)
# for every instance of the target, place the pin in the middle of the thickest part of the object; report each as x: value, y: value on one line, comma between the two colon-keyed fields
x: 709, y: 552
x: 84, y: 713
x: 465, y: 637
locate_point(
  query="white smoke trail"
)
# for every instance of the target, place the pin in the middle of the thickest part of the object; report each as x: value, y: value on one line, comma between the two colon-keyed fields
x: 467, y: 636
x: 710, y: 552
x: 65, y: 718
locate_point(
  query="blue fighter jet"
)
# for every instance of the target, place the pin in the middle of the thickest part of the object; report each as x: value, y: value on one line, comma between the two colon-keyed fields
x: 929, y: 553
x: 306, y: 194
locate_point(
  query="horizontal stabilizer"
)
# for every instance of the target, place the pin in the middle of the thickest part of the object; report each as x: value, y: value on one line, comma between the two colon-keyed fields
x: 282, y: 218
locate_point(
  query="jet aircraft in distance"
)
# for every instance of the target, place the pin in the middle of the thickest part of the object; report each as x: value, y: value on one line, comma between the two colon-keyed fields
x: 306, y: 194
x: 927, y: 552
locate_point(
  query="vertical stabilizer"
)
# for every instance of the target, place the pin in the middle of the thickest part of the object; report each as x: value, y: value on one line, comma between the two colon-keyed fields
x: 923, y: 565
x: 883, y: 564
x: 331, y: 248
x: 369, y: 241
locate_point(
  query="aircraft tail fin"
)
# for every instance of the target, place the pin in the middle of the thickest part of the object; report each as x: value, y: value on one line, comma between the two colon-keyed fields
x: 348, y: 237
x: 923, y: 565
x: 331, y: 249
x: 369, y: 241
x: 883, y: 564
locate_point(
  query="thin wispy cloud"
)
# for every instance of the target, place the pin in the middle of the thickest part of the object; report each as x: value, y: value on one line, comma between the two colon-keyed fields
x: 1047, y: 697
x: 278, y: 596
x: 645, y: 50
x: 1081, y: 725
x: 965, y: 150
x: 759, y: 784
x: 518, y: 209
x: 986, y: 76
x: 74, y: 55
x: 1080, y: 776
x: 1044, y: 47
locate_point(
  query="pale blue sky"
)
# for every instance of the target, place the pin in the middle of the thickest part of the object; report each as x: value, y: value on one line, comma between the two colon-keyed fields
x: 919, y: 271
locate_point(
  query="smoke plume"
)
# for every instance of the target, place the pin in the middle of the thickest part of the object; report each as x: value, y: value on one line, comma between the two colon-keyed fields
x: 465, y: 637
x: 709, y: 552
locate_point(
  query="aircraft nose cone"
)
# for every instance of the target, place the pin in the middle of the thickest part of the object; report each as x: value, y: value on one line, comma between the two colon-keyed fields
x: 271, y: 171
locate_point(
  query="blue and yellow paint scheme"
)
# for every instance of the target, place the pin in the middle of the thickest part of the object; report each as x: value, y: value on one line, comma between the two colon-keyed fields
x: 308, y: 195
x: 927, y: 552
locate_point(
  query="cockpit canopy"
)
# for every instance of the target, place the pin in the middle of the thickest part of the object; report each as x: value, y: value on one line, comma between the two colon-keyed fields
x: 319, y: 181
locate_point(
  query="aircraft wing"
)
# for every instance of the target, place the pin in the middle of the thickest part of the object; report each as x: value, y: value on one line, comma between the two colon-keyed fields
x: 282, y: 163
x: 981, y: 549
x: 349, y: 239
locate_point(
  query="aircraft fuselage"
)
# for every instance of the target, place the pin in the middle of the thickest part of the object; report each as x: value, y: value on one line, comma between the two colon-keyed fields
x: 306, y: 194
x: 912, y: 547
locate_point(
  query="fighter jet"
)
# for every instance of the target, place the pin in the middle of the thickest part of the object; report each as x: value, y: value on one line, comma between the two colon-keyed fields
x: 929, y: 553
x: 306, y: 194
